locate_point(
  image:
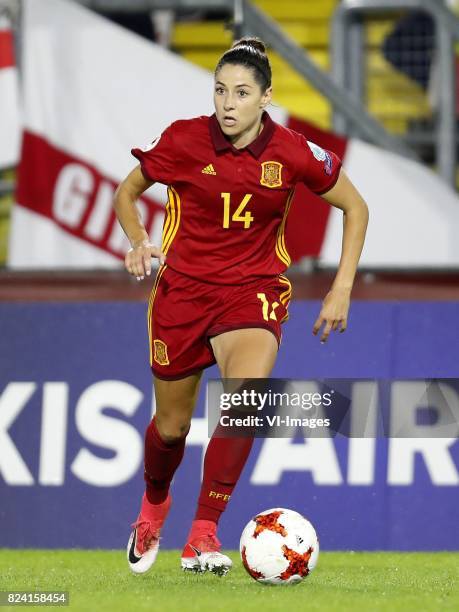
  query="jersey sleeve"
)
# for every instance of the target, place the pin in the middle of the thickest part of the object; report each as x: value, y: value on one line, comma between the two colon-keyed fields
x: 157, y: 159
x: 319, y: 168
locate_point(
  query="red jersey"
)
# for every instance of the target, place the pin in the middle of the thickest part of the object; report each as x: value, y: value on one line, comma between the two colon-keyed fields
x: 227, y: 207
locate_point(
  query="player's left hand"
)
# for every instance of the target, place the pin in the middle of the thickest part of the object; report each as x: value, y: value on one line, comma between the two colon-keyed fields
x: 335, y: 308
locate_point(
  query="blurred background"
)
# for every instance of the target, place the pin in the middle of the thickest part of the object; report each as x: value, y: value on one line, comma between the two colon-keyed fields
x: 81, y: 83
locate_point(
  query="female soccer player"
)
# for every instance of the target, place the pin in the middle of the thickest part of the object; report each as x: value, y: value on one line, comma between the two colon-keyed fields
x: 219, y: 295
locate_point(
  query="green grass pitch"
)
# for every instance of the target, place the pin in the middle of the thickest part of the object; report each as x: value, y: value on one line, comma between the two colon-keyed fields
x: 101, y: 580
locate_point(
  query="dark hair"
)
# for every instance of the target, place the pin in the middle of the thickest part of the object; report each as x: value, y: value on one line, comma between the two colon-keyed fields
x: 251, y: 53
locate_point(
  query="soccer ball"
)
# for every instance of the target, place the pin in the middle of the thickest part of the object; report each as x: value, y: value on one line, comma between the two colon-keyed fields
x: 279, y: 546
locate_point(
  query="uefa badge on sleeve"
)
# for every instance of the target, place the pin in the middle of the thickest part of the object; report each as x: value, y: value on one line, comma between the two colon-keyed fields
x: 328, y: 163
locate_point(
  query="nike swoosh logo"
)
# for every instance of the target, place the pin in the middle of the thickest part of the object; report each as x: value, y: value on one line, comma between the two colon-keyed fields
x: 132, y: 556
x: 196, y: 550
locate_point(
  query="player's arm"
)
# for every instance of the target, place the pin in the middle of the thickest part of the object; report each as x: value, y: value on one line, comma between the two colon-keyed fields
x: 138, y: 258
x: 344, y: 195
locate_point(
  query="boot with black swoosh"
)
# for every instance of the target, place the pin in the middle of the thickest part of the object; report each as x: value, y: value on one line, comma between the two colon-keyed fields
x: 143, y: 543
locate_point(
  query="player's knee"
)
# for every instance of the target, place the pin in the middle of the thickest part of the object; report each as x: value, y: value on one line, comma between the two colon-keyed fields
x: 172, y: 430
x: 173, y: 435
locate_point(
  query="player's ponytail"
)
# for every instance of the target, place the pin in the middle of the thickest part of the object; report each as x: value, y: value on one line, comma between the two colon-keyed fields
x: 251, y: 53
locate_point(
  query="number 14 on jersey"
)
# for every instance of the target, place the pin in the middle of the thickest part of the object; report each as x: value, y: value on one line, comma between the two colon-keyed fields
x: 237, y: 215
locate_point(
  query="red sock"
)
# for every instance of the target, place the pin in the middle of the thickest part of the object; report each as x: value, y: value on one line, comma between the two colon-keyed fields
x: 225, y: 458
x: 161, y: 461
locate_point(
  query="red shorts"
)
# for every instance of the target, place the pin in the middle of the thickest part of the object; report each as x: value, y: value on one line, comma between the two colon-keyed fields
x: 184, y: 313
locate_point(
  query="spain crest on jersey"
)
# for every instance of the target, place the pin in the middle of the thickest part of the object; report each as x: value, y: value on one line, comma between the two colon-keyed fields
x: 271, y: 174
x: 160, y: 354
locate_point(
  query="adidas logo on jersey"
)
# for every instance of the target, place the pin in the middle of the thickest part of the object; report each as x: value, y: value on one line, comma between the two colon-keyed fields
x: 208, y: 170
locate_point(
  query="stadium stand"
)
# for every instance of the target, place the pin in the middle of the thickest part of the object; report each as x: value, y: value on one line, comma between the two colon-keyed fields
x: 393, y: 98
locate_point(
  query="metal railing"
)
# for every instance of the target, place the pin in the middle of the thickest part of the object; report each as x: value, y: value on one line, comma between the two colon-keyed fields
x: 365, y: 126
x: 348, y: 70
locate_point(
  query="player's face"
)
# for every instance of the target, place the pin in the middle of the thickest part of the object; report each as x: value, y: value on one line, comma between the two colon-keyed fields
x: 239, y: 101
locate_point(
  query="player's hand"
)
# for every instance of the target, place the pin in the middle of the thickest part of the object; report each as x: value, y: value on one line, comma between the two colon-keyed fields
x: 335, y: 308
x: 138, y: 258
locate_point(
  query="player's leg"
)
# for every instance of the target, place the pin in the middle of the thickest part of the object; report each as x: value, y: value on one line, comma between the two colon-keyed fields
x: 164, y: 448
x: 241, y: 353
x: 177, y: 322
x: 245, y: 353
x: 166, y: 433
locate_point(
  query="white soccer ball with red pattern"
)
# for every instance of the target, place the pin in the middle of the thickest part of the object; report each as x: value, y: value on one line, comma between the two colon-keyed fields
x: 279, y: 546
